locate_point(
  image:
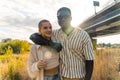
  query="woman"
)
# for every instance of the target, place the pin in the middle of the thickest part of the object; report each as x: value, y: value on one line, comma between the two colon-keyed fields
x: 43, y: 61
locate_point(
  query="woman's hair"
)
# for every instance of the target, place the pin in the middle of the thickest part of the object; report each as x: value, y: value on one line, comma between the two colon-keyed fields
x: 42, y: 21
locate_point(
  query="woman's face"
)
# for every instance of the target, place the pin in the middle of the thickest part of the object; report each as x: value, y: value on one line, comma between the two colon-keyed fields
x: 46, y: 30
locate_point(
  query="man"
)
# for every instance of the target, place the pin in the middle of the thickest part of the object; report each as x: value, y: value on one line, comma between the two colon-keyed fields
x: 77, y: 52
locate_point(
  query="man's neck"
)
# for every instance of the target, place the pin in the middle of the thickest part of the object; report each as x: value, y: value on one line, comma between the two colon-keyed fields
x: 67, y: 30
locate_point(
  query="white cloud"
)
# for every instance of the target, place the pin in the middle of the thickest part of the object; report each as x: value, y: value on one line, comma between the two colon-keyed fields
x: 19, y: 18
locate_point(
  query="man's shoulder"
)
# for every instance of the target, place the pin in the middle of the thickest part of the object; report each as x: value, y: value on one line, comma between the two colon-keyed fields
x: 56, y: 30
x: 80, y: 30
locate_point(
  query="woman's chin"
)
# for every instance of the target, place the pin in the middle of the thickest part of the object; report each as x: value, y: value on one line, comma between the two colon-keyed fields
x: 48, y: 37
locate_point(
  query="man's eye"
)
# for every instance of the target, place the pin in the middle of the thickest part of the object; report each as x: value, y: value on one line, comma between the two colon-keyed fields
x: 60, y: 17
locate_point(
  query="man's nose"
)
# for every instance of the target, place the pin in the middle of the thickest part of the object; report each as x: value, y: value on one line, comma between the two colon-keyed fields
x: 63, y: 18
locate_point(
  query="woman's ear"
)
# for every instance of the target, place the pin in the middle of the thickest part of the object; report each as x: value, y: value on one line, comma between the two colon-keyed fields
x: 39, y: 30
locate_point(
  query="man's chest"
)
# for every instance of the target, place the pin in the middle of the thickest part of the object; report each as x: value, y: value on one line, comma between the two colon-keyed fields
x: 74, y: 41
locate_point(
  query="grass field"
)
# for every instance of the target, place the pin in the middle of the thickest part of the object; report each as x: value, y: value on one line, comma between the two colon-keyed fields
x: 106, y: 66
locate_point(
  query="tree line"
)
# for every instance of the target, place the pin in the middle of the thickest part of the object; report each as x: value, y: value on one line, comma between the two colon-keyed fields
x: 14, y: 46
x: 105, y: 45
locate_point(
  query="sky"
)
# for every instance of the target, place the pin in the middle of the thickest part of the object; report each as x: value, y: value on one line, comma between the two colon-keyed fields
x: 19, y: 18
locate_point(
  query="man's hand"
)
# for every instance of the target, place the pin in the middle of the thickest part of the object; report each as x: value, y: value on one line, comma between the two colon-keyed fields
x: 89, y: 69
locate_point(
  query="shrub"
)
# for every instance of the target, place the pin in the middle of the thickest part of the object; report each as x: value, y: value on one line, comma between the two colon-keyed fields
x: 17, y: 46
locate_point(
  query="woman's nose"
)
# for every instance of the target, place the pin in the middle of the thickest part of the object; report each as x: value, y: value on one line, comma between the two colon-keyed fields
x: 49, y: 29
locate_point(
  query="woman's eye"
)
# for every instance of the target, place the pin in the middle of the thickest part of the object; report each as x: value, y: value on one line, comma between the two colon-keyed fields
x: 45, y: 27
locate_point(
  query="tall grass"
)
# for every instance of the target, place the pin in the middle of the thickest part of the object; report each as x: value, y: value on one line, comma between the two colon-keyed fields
x: 106, y: 65
x: 14, y: 67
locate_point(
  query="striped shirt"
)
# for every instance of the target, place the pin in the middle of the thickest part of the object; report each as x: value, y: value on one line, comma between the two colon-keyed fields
x: 77, y: 47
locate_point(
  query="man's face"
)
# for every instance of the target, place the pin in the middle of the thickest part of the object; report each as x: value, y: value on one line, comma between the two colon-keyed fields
x: 64, y: 18
x: 46, y: 30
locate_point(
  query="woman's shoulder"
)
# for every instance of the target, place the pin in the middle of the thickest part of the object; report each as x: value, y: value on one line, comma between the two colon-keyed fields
x: 35, y: 46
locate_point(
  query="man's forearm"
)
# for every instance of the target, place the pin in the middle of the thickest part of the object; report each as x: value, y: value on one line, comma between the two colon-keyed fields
x: 89, y: 69
x: 40, y: 40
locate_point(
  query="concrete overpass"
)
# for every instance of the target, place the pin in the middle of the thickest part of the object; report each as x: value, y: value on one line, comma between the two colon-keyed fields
x: 105, y: 22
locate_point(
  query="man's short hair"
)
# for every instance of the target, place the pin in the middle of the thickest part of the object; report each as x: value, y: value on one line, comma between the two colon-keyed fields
x: 64, y: 9
x: 40, y: 23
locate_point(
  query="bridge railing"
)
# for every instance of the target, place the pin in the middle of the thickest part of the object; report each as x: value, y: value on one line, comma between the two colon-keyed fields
x: 110, y: 13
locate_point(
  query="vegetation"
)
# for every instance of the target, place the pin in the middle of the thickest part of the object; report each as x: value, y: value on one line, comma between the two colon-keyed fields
x: 16, y: 46
x: 106, y: 66
x: 13, y: 67
x: 13, y: 59
x: 103, y: 45
x: 14, y: 55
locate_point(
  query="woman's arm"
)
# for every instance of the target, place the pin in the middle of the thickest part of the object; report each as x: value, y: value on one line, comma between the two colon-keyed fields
x: 33, y: 70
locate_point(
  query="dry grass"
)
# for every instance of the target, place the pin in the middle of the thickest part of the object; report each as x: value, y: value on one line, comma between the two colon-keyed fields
x: 14, y: 67
x: 106, y: 65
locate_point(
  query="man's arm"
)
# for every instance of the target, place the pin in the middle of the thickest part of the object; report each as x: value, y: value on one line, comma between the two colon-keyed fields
x: 89, y: 64
x: 38, y: 39
x: 89, y: 55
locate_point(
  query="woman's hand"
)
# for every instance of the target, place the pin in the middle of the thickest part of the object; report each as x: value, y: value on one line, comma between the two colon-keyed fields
x: 41, y: 64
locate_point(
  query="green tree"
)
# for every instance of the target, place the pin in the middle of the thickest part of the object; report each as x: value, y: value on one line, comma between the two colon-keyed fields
x: 6, y: 40
x: 17, y: 46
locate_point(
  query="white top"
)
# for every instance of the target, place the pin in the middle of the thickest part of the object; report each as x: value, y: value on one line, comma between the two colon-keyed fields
x: 37, y: 53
